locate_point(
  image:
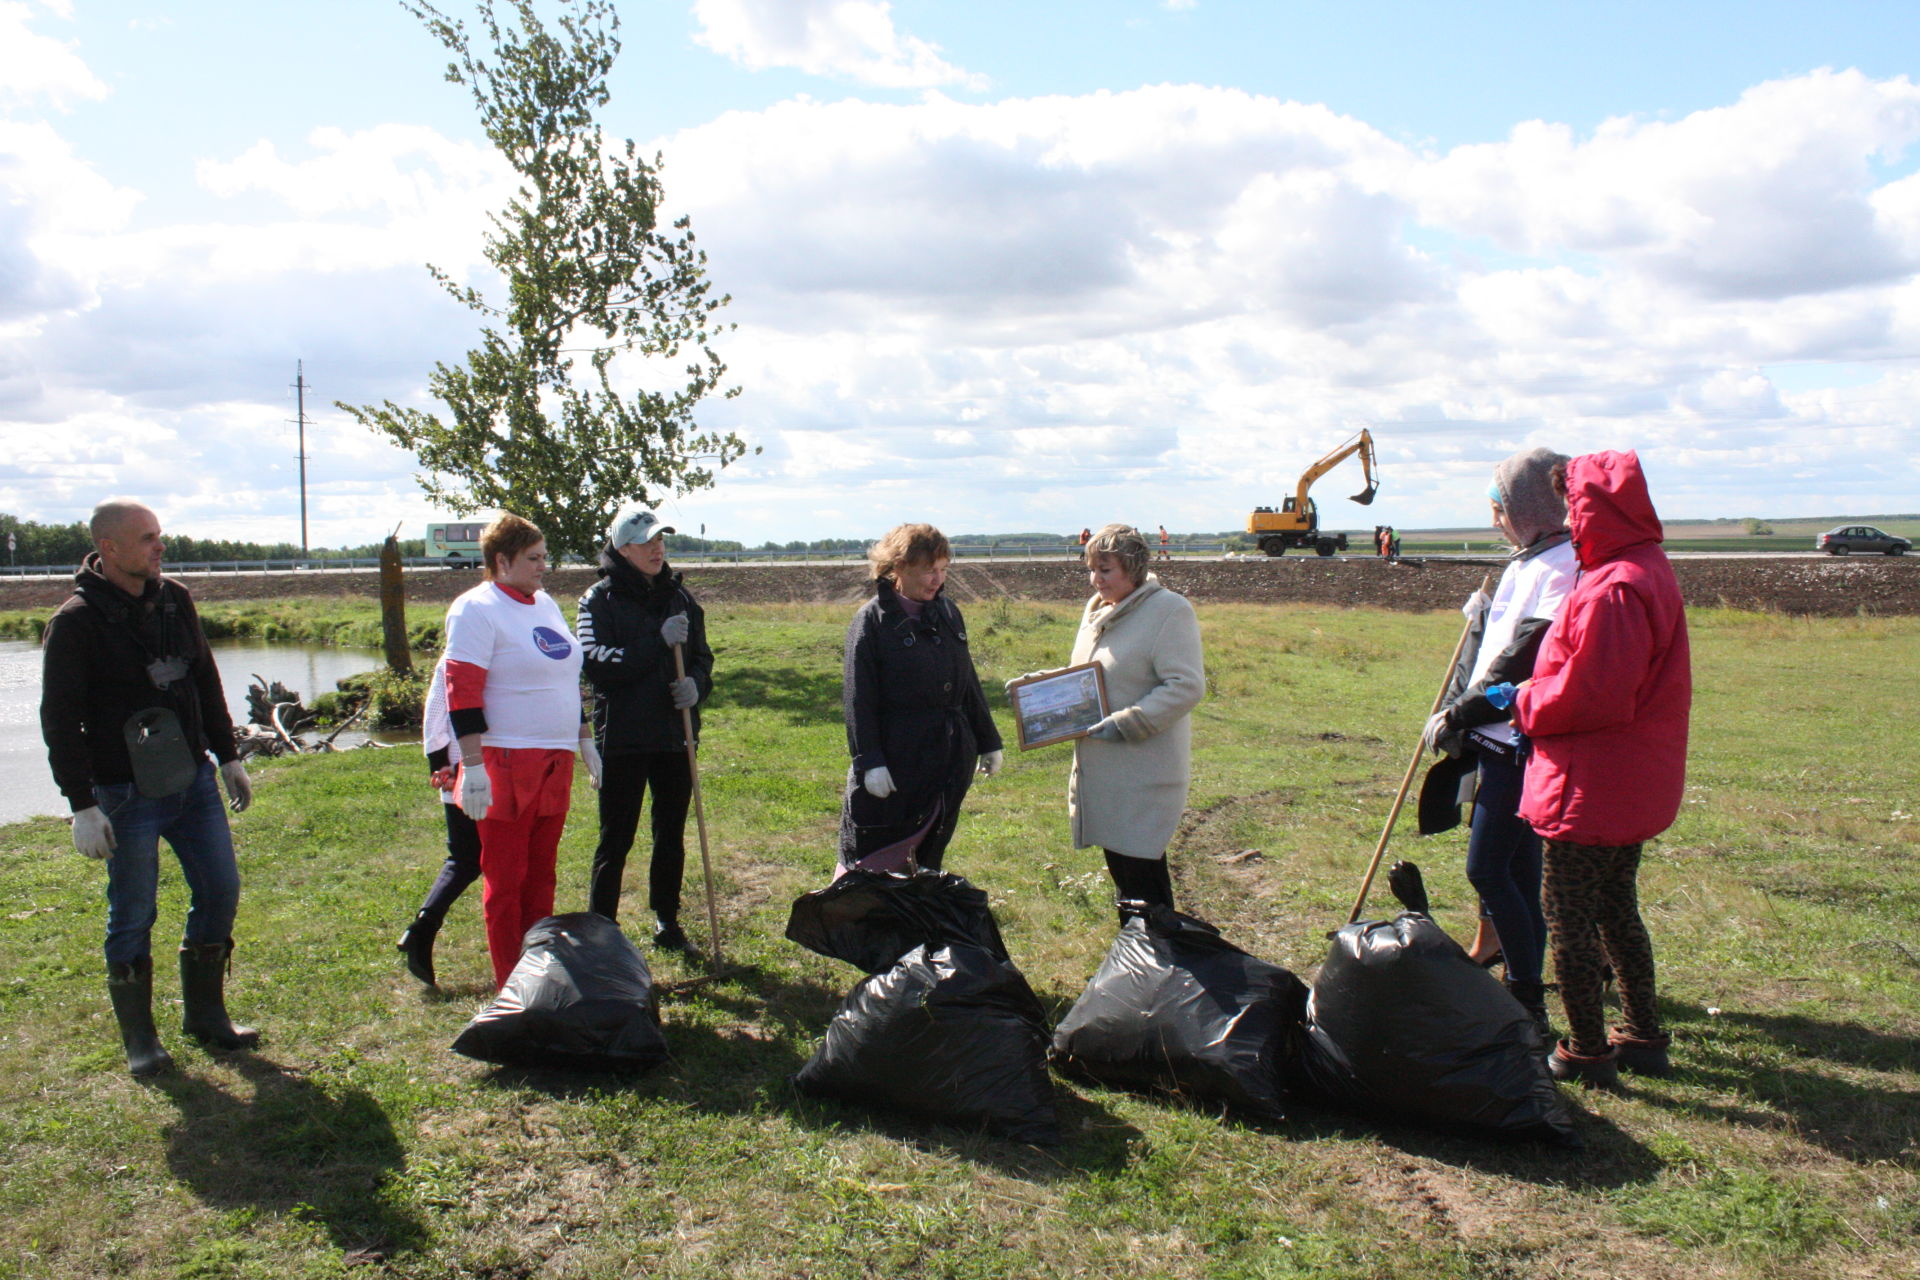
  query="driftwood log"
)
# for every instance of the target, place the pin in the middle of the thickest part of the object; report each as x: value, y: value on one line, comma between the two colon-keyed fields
x: 279, y: 724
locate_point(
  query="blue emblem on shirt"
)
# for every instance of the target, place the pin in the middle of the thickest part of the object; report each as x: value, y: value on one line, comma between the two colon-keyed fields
x: 551, y: 643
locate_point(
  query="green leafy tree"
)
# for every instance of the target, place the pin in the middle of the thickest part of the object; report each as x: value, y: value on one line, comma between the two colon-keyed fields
x: 587, y: 272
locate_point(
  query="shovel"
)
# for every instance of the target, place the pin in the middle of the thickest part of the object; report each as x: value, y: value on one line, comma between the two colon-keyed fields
x: 1413, y: 766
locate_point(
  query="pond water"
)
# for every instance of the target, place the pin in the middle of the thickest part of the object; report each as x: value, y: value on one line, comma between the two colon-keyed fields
x: 26, y: 784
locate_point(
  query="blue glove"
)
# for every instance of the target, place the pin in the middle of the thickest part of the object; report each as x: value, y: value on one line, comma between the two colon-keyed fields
x: 1500, y: 695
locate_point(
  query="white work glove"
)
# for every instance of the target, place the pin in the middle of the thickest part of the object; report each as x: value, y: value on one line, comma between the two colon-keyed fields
x: 1107, y: 730
x: 674, y: 629
x: 1476, y: 606
x: 93, y: 833
x: 476, y: 793
x: 1430, y: 736
x: 590, y: 756
x: 239, y: 785
x: 1017, y: 679
x: 992, y: 762
x: 685, y: 692
x: 878, y: 782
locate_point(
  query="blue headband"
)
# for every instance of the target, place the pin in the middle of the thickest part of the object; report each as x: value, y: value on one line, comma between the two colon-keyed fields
x: 1493, y: 491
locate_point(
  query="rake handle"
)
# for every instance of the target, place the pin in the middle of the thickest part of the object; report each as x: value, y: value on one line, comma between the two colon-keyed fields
x: 699, y: 810
x: 1413, y: 765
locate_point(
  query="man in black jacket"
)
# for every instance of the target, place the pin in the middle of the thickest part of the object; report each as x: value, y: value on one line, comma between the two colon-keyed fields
x: 630, y: 622
x: 130, y: 707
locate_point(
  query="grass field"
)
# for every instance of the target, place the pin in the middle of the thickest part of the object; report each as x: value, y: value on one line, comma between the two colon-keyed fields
x: 1782, y: 904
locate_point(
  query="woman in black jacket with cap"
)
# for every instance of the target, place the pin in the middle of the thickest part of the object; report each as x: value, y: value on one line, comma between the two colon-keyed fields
x: 628, y: 624
x: 917, y: 722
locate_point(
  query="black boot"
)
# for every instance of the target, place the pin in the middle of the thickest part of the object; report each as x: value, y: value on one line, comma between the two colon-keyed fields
x: 1533, y: 998
x: 669, y: 936
x: 416, y: 944
x: 131, y: 988
x: 203, y: 977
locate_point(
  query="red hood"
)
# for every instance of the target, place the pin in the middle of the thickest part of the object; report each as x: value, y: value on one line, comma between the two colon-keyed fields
x: 1608, y: 508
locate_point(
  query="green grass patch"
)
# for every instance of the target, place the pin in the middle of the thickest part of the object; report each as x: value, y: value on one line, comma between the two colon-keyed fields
x: 1782, y: 906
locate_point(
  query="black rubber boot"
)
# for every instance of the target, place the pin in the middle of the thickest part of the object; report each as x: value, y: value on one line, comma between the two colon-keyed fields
x: 1533, y: 998
x: 131, y: 988
x: 416, y: 944
x: 1405, y: 880
x: 203, y: 977
x: 670, y: 936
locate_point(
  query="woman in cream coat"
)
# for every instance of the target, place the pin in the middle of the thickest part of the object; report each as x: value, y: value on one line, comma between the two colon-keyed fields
x: 1129, y: 782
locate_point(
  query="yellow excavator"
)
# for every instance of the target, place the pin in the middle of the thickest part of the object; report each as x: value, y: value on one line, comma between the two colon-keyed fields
x: 1296, y: 522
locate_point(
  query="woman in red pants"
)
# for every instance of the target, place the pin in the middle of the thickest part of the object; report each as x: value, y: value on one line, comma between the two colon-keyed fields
x: 513, y: 694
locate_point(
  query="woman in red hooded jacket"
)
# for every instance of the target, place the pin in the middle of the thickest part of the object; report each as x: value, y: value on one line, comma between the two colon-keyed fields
x: 1607, y: 711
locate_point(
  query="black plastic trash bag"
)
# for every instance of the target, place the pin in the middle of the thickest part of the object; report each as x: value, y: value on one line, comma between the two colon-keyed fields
x: 1175, y: 1007
x: 580, y: 998
x: 952, y: 1034
x: 872, y: 918
x: 1401, y: 1021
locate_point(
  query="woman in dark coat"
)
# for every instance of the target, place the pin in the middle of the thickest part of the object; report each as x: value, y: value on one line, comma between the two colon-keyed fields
x: 917, y: 722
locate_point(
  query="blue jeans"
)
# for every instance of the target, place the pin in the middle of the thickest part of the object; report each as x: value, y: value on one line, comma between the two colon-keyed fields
x: 195, y: 824
x: 1503, y: 865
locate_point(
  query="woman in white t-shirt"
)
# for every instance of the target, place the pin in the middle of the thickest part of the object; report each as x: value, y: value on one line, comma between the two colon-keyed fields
x: 513, y: 696
x: 1503, y: 852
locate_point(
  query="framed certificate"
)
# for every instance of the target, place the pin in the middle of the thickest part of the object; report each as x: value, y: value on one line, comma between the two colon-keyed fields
x: 1057, y: 706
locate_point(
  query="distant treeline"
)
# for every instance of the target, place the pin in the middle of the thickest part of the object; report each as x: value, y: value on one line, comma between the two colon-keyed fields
x: 37, y: 543
x: 69, y: 544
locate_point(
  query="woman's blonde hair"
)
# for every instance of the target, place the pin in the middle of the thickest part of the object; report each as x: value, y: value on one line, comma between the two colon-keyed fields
x: 1124, y: 543
x: 908, y: 544
x: 506, y: 538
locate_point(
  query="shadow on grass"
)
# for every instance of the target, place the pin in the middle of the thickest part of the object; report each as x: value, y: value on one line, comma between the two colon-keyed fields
x: 1612, y: 1157
x: 291, y: 1146
x: 803, y: 696
x: 745, y: 1064
x: 1858, y: 1121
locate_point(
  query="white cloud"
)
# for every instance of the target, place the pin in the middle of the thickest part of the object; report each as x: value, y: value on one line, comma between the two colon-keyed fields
x: 844, y: 39
x: 36, y: 67
x: 400, y: 169
x: 1769, y: 197
x: 1159, y: 304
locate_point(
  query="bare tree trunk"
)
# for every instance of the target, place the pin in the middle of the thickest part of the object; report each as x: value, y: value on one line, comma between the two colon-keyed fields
x: 393, y: 607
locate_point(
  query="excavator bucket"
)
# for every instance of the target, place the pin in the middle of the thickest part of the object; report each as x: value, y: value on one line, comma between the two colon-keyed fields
x: 1365, y: 496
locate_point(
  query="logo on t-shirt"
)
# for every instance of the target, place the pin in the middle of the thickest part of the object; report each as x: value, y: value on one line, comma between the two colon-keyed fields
x: 551, y: 643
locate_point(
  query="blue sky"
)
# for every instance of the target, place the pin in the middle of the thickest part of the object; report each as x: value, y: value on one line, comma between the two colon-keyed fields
x: 1004, y: 266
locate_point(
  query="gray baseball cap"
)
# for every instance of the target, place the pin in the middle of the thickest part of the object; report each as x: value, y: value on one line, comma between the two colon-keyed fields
x: 634, y: 523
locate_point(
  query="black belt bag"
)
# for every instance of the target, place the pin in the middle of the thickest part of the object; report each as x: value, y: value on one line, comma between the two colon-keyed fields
x: 1512, y: 752
x: 163, y: 763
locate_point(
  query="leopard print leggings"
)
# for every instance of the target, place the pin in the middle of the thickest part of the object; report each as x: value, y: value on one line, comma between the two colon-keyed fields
x: 1593, y: 916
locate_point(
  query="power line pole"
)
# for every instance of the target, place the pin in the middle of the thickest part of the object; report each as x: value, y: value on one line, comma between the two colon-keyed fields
x: 300, y: 399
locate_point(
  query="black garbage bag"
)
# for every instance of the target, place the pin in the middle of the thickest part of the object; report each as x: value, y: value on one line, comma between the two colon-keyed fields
x: 580, y: 998
x: 1177, y: 1008
x: 950, y: 1033
x: 872, y: 918
x: 1401, y: 1021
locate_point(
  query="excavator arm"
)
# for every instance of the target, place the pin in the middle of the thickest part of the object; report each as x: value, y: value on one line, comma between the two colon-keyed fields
x: 1362, y: 445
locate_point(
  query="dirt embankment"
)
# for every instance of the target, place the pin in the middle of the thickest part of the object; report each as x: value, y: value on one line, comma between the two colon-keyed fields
x: 1797, y: 585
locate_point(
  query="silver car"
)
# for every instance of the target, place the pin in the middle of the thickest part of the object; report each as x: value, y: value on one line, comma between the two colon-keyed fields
x: 1860, y: 537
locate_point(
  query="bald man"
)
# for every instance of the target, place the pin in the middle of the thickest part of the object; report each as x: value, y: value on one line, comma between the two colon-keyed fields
x: 134, y: 719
